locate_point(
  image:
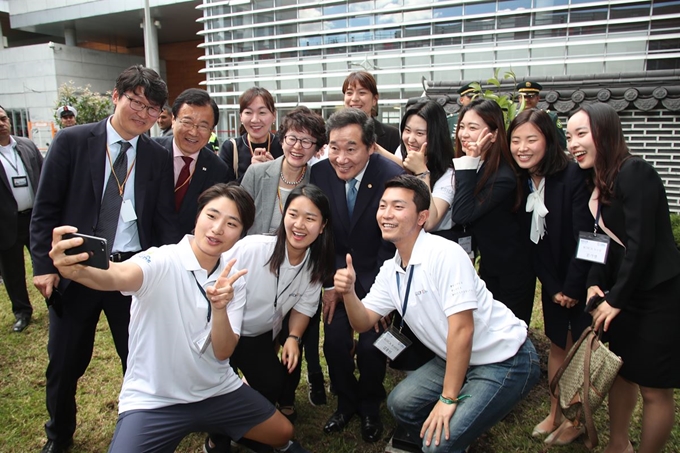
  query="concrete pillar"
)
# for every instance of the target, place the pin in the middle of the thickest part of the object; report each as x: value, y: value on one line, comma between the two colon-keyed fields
x: 151, y: 39
x: 70, y: 36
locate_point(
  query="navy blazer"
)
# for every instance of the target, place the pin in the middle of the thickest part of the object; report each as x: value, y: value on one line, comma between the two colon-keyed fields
x: 72, y: 183
x: 639, y: 216
x: 387, y: 136
x: 32, y: 159
x: 359, y: 236
x: 554, y: 258
x: 210, y: 170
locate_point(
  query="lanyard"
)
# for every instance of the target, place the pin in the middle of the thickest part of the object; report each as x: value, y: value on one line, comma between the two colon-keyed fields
x: 205, y: 296
x: 404, y: 306
x: 597, y: 218
x: 121, y: 187
x: 279, y: 294
x: 15, y: 165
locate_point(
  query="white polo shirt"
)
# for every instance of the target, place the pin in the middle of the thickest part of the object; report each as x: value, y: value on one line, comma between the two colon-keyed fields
x: 168, y: 314
x: 294, y: 288
x: 445, y: 283
x: 445, y: 189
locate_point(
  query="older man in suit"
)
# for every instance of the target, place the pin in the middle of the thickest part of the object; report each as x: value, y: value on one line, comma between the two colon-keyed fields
x: 107, y: 179
x: 353, y: 177
x: 195, y: 166
x: 20, y: 164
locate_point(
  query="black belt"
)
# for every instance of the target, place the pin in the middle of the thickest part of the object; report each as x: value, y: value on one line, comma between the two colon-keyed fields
x: 119, y: 257
x: 25, y: 212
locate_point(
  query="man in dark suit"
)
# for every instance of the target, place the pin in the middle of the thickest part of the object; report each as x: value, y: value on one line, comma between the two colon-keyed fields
x: 107, y: 179
x: 20, y: 164
x: 353, y: 177
x: 196, y: 167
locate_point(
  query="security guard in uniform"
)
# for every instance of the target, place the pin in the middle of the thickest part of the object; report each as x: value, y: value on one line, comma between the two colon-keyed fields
x: 531, y: 93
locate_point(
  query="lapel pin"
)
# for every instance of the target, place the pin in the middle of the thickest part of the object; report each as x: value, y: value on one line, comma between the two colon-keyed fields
x: 205, y: 169
x: 370, y: 186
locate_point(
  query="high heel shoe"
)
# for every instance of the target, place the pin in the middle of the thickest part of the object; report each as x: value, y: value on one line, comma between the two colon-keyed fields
x: 561, y: 436
x: 629, y: 448
x: 540, y: 431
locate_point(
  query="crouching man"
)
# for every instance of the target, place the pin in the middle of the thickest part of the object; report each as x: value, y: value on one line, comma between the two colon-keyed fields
x: 485, y: 363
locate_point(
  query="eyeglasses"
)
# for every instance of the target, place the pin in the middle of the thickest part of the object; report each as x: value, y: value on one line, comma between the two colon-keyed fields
x: 189, y: 125
x: 291, y: 140
x: 139, y: 106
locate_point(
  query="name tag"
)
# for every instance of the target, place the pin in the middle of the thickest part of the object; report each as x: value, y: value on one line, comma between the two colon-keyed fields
x: 19, y: 181
x: 392, y: 342
x: 202, y: 340
x: 591, y: 247
x: 127, y: 211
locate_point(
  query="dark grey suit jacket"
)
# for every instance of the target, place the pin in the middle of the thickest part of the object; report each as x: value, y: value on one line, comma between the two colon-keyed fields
x: 210, y: 170
x: 32, y: 160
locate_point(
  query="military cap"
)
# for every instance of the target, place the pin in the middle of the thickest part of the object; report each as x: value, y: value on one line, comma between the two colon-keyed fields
x: 66, y: 110
x: 529, y: 87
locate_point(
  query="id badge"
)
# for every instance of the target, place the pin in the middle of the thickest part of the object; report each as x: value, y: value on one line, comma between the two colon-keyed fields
x: 466, y: 243
x: 202, y: 340
x: 277, y: 323
x: 592, y: 247
x: 19, y: 181
x: 392, y: 342
x: 127, y: 211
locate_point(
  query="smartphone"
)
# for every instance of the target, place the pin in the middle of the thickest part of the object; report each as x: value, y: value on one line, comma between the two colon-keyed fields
x: 96, y: 247
x: 260, y: 151
x: 595, y: 301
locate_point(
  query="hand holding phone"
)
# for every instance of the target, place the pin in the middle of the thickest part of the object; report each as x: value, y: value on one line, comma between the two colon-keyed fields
x: 595, y: 301
x: 94, y: 246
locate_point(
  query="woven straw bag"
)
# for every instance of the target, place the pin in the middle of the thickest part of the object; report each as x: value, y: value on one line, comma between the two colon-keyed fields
x: 589, y: 365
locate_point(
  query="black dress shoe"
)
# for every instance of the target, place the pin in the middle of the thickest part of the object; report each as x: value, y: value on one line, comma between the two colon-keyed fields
x: 21, y: 323
x: 53, y: 447
x: 371, y: 428
x: 337, y: 422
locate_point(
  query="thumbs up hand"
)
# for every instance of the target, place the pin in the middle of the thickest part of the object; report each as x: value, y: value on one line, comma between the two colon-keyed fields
x: 345, y: 278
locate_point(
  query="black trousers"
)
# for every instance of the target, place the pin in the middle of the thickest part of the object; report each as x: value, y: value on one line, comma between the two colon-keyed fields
x: 70, y: 345
x: 361, y: 395
x: 13, y: 269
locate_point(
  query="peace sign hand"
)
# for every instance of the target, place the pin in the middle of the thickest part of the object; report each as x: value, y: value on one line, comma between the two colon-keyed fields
x: 477, y: 148
x: 223, y: 292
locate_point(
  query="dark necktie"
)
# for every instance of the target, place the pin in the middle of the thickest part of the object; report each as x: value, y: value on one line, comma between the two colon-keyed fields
x: 351, y: 195
x: 113, y: 198
x: 182, y: 182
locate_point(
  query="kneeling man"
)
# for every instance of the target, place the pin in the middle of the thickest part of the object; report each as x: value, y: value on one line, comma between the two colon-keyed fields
x: 485, y: 362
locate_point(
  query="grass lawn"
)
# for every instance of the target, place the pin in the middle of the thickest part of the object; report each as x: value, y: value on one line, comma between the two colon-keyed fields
x: 23, y: 360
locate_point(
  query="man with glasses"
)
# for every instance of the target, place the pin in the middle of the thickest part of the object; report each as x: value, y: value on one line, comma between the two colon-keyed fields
x: 107, y: 179
x: 195, y: 166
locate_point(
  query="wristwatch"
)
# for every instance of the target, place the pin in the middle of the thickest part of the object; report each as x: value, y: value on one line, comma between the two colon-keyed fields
x: 296, y: 338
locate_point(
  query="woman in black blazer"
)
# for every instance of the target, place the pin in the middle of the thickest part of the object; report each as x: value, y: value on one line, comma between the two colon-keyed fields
x: 641, y: 311
x: 556, y: 210
x: 486, y: 200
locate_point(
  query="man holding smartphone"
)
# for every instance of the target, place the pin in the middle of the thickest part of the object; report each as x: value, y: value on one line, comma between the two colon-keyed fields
x: 109, y: 180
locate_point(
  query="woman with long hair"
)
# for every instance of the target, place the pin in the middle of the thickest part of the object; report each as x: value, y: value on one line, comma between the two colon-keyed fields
x: 639, y: 278
x: 302, y: 133
x: 256, y: 144
x: 285, y: 273
x: 428, y: 154
x: 556, y: 210
x: 486, y: 201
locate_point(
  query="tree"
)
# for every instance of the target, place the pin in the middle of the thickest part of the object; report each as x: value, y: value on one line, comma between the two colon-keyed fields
x: 507, y: 102
x: 91, y: 107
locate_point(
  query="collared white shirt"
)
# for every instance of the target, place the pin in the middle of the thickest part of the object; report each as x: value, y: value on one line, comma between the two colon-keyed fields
x: 178, y: 162
x: 445, y: 189
x: 14, y: 167
x: 127, y: 235
x: 445, y: 283
x: 358, y: 177
x: 167, y: 314
x: 294, y: 289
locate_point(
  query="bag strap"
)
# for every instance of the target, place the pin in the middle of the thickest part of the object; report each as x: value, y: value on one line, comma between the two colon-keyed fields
x: 235, y: 156
x: 554, y: 388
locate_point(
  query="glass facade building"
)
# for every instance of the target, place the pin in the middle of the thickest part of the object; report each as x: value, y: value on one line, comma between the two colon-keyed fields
x: 301, y: 50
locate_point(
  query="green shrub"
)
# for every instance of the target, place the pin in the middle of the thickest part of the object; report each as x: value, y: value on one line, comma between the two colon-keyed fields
x: 675, y: 224
x: 91, y: 107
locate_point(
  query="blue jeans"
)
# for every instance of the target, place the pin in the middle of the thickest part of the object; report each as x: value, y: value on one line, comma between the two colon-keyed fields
x: 494, y: 388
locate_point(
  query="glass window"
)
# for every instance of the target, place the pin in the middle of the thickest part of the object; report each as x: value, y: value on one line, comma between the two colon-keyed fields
x: 613, y: 67
x: 629, y: 47
x: 547, y: 70
x: 447, y: 74
x: 339, y: 8
x: 452, y: 41
x: 476, y: 56
x: 360, y: 6
x: 547, y: 53
x: 445, y: 28
x: 588, y: 14
x: 669, y: 63
x: 585, y: 68
x: 626, y: 11
x: 287, y: 43
x: 361, y: 36
x: 586, y: 50
x: 479, y: 25
x: 286, y: 2
x: 480, y: 8
x: 388, y: 33
x: 335, y: 24
x: 335, y: 39
x: 262, y: 4
x: 286, y: 14
x: 419, y: 44
x: 478, y: 39
x: 448, y: 11
x: 512, y: 5
x: 661, y: 7
x: 523, y: 20
x: 447, y: 60
x: 663, y: 26
x: 382, y: 4
x: 591, y: 30
x: 389, y: 18
x: 417, y: 30
x: 550, y: 18
x: 549, y: 3
x: 420, y: 15
x: 286, y: 29
x: 664, y: 45
x: 262, y: 18
x: 308, y: 41
x: 361, y: 21
x: 19, y: 121
x: 517, y: 36
x: 628, y: 27
x: 549, y: 33
x: 264, y: 31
